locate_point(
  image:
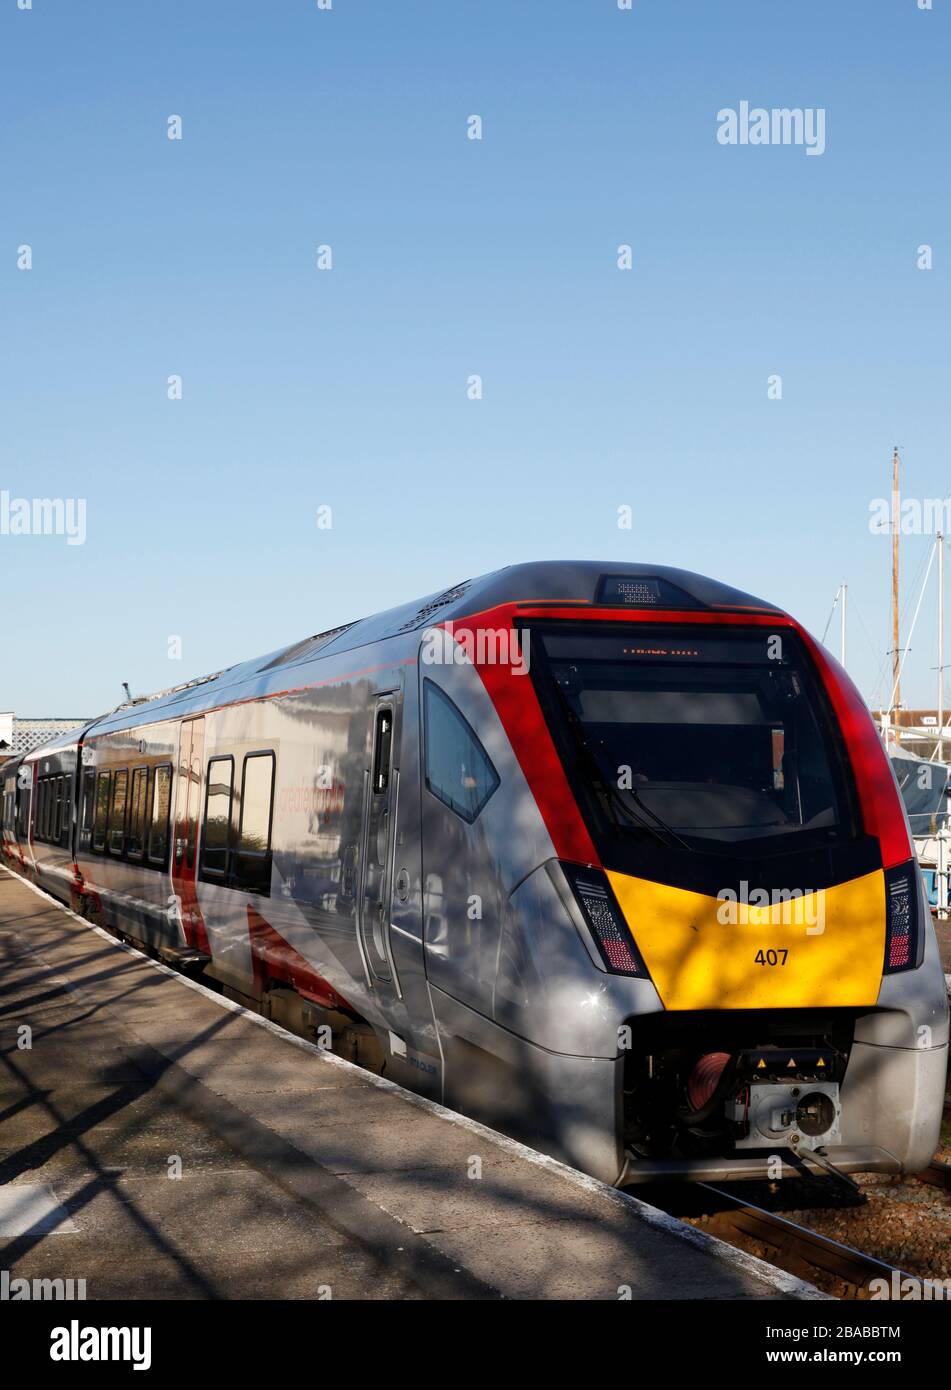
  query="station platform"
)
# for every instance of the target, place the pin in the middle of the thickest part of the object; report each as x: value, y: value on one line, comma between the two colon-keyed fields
x: 160, y: 1142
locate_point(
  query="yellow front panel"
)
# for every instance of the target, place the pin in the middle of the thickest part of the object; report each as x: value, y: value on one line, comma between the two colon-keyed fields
x: 827, y: 947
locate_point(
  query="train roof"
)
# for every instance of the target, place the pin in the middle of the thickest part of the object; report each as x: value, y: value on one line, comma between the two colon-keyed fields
x: 575, y: 582
x: 580, y: 581
x: 68, y: 738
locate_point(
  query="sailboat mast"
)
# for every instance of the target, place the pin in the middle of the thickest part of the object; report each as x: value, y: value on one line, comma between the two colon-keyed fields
x: 896, y: 650
x: 940, y: 647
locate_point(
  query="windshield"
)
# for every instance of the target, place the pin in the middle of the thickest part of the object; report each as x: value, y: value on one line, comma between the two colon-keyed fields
x: 696, y: 739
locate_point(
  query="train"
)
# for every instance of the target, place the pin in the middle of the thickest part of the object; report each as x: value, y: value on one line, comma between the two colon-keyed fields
x: 609, y: 856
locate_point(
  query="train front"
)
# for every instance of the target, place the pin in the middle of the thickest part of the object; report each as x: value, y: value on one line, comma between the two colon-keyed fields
x: 732, y: 842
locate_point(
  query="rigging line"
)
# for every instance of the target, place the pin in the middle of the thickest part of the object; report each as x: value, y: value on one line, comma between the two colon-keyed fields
x: 902, y: 619
x: 903, y: 610
x: 880, y: 676
x: 875, y: 650
x: 921, y: 594
x: 881, y: 661
x: 942, y: 738
x: 835, y: 602
x: 935, y: 544
x: 940, y: 741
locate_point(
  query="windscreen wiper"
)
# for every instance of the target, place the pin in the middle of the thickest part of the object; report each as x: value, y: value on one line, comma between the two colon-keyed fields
x: 611, y: 795
x: 668, y: 829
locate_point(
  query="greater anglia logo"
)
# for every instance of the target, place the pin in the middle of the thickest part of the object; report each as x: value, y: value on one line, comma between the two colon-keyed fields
x: 75, y: 1343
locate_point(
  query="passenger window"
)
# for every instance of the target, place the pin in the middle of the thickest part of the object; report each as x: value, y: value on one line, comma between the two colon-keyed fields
x: 24, y: 813
x: 253, y: 860
x: 67, y: 811
x: 161, y: 804
x: 103, y: 789
x: 215, y: 842
x: 117, y: 816
x: 458, y: 769
x: 58, y: 809
x: 89, y: 810
x: 140, y: 784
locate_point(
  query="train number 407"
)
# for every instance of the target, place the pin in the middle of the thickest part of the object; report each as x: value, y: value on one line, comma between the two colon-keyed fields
x: 772, y: 957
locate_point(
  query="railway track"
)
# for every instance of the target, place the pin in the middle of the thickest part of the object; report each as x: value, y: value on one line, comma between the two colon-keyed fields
x: 936, y: 1175
x: 802, y: 1251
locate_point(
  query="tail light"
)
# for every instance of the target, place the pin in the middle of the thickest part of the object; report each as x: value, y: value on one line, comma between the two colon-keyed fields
x: 901, y: 918
x: 605, y: 921
x: 883, y: 811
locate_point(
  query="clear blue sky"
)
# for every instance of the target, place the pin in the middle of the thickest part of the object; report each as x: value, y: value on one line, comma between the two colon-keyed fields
x: 452, y: 257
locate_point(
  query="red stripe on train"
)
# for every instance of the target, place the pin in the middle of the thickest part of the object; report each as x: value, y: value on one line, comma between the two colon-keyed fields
x: 273, y: 958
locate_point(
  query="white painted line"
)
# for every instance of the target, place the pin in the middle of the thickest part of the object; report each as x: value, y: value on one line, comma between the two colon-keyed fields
x: 651, y: 1216
x: 33, y: 1208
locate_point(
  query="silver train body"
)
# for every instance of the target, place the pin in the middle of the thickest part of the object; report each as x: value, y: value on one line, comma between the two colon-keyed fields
x: 379, y: 838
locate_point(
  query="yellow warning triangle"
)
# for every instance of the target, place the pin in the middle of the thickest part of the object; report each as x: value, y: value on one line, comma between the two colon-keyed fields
x: 821, y: 1062
x: 760, y: 1065
x: 791, y: 1063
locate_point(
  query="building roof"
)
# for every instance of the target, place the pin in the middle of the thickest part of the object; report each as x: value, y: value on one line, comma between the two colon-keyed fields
x: 21, y: 734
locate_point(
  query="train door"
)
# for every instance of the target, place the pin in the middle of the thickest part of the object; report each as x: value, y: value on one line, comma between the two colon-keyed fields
x: 25, y: 813
x: 380, y: 811
x: 185, y: 839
